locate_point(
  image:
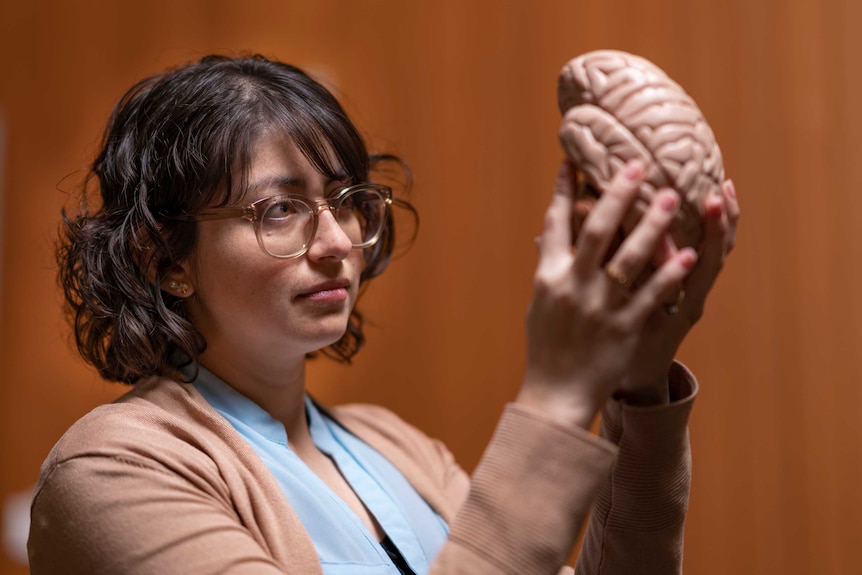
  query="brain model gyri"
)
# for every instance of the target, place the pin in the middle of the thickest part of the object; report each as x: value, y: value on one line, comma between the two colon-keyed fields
x: 619, y: 107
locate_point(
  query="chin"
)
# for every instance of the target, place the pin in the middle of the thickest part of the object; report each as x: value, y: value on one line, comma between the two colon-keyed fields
x: 325, y: 338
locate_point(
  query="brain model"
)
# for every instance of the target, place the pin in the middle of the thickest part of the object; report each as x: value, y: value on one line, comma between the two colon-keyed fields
x: 619, y: 107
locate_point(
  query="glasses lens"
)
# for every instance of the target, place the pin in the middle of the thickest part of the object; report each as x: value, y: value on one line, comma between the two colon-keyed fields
x: 361, y: 214
x: 286, y: 226
x: 287, y: 223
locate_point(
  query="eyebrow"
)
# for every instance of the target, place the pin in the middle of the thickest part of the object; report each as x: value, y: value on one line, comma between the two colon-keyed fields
x: 293, y: 181
x: 275, y: 181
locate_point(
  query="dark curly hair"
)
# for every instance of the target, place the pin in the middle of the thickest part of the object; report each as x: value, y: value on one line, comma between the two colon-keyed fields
x: 176, y: 143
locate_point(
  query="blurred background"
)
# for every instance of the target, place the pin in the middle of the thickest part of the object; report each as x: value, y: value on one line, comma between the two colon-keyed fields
x: 464, y: 91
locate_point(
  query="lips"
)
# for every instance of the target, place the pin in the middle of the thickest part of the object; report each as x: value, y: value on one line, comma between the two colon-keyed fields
x: 330, y: 290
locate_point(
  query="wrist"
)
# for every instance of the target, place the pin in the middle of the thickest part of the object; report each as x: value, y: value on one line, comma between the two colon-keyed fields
x: 653, y: 394
x: 563, y: 408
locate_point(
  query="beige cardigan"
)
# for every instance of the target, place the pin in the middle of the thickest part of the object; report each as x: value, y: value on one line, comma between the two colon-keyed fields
x: 159, y: 483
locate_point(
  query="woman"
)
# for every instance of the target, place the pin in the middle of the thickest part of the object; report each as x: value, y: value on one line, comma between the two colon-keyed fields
x: 236, y: 229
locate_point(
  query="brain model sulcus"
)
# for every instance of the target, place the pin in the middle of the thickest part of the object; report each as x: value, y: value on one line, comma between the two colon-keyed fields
x: 619, y: 107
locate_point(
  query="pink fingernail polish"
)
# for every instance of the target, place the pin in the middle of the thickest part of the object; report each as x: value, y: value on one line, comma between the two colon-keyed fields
x: 731, y: 189
x: 714, y: 206
x: 668, y: 202
x: 564, y: 170
x: 634, y: 170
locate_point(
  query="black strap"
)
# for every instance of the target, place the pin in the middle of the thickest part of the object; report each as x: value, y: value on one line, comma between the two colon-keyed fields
x: 396, y: 556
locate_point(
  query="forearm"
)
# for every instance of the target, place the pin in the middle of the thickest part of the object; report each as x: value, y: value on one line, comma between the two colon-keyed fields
x: 529, y: 498
x: 638, y: 519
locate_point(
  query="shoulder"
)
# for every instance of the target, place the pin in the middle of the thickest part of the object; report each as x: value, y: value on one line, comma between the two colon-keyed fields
x: 133, y: 419
x: 159, y: 424
x: 371, y: 416
x: 379, y: 425
x: 145, y: 483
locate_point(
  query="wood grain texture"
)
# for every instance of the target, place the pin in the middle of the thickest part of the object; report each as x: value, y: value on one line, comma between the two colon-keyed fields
x: 466, y: 93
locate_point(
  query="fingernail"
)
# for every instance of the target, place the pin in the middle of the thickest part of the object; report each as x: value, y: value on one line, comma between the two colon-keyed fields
x: 688, y: 257
x: 731, y: 189
x: 714, y: 206
x: 564, y: 169
x: 668, y: 201
x: 634, y: 170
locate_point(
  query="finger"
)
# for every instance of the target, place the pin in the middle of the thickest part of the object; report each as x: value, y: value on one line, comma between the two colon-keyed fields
x: 717, y: 228
x: 556, y: 239
x: 604, y: 220
x: 731, y: 204
x: 666, y: 250
x: 647, y: 238
x: 662, y: 286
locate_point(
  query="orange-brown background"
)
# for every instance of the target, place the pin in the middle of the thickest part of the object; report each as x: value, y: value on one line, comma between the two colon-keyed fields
x: 464, y: 91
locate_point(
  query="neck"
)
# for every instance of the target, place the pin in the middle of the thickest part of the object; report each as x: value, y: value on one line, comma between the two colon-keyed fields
x: 279, y: 390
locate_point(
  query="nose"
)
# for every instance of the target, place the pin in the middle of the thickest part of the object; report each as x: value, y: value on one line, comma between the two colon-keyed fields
x: 330, y: 240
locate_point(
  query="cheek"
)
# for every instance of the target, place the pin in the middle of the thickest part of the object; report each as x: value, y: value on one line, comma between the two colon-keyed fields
x: 356, y: 259
x: 226, y: 261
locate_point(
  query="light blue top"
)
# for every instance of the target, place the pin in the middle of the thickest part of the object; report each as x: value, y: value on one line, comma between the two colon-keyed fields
x: 343, y: 543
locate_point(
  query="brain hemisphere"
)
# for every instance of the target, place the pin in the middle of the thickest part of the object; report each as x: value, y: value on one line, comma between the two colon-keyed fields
x: 619, y: 107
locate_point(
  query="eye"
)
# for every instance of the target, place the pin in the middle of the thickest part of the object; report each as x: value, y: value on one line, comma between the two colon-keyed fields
x: 284, y: 210
x: 363, y: 201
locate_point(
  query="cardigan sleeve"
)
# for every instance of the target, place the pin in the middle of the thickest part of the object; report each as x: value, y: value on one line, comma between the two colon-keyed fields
x: 637, y: 522
x: 528, y: 499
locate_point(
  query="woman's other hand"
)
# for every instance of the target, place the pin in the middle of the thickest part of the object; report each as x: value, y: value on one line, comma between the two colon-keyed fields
x: 586, y: 326
x: 645, y: 381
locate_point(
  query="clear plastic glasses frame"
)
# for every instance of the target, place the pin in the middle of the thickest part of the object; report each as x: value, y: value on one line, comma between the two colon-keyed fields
x: 292, y: 215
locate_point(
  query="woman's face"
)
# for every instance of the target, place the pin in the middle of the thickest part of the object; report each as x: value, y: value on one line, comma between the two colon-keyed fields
x: 258, y: 311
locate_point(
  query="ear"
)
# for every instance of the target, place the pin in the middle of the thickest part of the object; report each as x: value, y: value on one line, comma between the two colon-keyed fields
x: 177, y: 282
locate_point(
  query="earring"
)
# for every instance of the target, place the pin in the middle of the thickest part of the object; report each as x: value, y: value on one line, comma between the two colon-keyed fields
x: 181, y: 288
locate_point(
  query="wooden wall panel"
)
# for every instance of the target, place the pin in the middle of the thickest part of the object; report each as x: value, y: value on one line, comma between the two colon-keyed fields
x: 465, y: 92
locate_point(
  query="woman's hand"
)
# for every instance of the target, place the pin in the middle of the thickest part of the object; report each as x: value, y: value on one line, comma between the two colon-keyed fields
x: 585, y: 328
x: 645, y: 381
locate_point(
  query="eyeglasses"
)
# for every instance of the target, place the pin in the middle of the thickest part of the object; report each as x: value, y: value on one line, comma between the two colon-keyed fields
x: 285, y: 225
